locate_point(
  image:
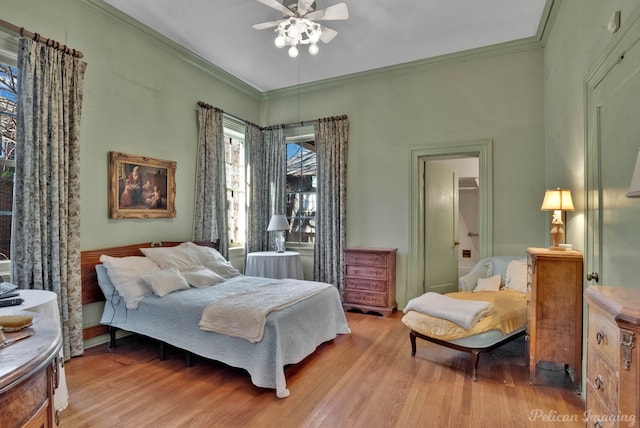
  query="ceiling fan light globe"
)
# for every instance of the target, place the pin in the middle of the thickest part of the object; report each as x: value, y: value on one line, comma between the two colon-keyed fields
x: 313, y: 49
x: 280, y: 41
x: 293, y: 51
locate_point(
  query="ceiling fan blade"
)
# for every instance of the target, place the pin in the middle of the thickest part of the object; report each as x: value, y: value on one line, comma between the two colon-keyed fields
x: 327, y: 34
x: 304, y: 6
x: 277, y: 6
x: 336, y: 12
x: 263, y: 25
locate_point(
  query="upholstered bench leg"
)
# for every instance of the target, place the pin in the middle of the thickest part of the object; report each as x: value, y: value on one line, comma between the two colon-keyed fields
x: 475, y: 357
x: 412, y: 337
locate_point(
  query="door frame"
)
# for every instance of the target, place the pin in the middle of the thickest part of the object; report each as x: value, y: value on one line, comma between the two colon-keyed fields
x: 482, y: 149
x: 621, y: 42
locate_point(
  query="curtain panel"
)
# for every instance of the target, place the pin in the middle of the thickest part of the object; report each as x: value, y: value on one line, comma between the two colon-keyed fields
x: 332, y: 135
x: 266, y: 155
x: 45, y: 241
x: 210, y: 213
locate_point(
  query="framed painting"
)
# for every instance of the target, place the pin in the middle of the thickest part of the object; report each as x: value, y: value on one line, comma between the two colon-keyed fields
x: 141, y: 187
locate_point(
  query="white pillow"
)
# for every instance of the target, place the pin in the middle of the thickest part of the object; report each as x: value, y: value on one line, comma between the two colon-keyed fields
x: 201, y: 276
x: 125, y: 274
x: 180, y: 257
x: 165, y: 281
x: 211, y: 258
x: 516, y: 276
x: 488, y: 284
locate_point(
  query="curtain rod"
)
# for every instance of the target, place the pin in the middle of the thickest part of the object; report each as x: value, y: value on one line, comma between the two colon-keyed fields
x: 38, y: 38
x: 288, y: 125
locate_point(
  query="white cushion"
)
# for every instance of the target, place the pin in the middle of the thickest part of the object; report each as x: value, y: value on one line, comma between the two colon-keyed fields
x: 125, y: 274
x: 201, y: 276
x: 211, y: 258
x: 180, y: 257
x: 516, y: 276
x: 488, y: 284
x: 165, y: 281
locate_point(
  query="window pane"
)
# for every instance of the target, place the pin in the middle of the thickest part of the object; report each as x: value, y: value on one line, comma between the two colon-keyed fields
x: 301, y: 192
x: 8, y: 109
x: 234, y: 168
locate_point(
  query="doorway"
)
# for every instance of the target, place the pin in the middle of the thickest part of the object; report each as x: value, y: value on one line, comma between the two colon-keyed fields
x: 418, y: 270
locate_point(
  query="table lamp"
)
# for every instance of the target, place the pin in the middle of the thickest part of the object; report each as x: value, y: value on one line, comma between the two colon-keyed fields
x: 557, y: 201
x: 278, y: 224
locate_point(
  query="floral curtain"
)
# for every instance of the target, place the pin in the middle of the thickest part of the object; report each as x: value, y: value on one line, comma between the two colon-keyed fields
x: 45, y: 241
x: 266, y: 157
x: 332, y: 135
x: 210, y: 218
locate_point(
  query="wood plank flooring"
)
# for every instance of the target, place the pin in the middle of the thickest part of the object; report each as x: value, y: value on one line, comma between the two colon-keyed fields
x: 365, y: 379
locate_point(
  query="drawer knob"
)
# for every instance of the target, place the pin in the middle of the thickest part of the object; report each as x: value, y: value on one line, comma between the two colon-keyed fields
x: 597, y: 424
x: 600, y: 337
x: 597, y: 382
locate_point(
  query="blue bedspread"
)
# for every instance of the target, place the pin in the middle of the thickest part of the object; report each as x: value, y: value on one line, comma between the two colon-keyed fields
x: 290, y: 334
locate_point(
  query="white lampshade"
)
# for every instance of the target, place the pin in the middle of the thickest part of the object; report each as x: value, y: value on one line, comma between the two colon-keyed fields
x: 634, y: 188
x: 278, y: 222
x: 557, y: 200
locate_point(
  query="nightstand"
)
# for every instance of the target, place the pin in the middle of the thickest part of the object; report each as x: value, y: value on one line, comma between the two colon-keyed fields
x: 370, y: 280
x: 554, y: 310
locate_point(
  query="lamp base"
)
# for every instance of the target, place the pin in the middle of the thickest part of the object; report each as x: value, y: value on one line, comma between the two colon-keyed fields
x: 557, y: 248
x: 280, y: 248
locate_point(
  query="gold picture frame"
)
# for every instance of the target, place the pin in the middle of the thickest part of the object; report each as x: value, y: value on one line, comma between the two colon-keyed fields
x: 141, y: 187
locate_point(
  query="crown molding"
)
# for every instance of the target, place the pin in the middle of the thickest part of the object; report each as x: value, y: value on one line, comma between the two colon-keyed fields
x: 547, y: 20
x: 505, y: 48
x: 127, y: 23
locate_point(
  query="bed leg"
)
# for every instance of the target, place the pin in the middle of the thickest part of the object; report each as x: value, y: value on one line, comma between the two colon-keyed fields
x: 412, y: 338
x: 475, y: 357
x: 188, y: 356
x: 163, y: 351
x: 112, y: 337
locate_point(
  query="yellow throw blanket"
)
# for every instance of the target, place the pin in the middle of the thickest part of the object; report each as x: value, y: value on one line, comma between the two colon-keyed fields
x: 509, y: 313
x: 244, y: 314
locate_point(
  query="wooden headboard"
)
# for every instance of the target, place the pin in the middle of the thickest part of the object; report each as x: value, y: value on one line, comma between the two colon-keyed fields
x: 91, y: 292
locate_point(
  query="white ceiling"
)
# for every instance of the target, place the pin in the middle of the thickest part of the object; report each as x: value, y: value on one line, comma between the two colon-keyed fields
x: 378, y: 33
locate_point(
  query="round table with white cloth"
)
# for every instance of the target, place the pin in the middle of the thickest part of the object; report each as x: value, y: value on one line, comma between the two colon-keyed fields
x: 271, y: 264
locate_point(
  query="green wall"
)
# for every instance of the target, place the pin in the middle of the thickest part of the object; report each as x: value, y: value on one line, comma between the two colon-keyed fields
x: 140, y: 97
x: 495, y: 94
x: 141, y: 93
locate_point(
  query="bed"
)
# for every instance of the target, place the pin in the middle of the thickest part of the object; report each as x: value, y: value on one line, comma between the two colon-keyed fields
x: 495, y: 284
x: 289, y: 335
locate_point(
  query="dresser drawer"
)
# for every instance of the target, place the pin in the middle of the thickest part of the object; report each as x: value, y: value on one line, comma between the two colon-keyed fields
x: 367, y: 285
x: 367, y: 272
x: 597, y: 414
x: 364, y: 298
x: 602, y: 378
x: 604, y: 335
x: 369, y: 259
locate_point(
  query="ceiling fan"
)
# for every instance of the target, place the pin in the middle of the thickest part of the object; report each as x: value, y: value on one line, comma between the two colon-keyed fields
x: 298, y: 26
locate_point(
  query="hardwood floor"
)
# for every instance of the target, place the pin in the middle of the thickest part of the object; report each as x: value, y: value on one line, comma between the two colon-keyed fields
x: 365, y: 379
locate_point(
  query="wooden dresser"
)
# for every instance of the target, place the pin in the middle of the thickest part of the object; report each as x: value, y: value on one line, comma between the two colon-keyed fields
x: 28, y: 376
x: 613, y: 356
x: 370, y: 280
x: 554, y: 311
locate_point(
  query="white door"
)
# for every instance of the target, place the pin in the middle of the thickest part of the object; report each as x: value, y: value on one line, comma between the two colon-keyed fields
x: 440, y: 228
x: 613, y: 130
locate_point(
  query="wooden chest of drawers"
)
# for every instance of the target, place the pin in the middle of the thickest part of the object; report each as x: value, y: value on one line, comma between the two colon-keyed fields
x: 370, y: 280
x: 613, y: 367
x: 554, y: 305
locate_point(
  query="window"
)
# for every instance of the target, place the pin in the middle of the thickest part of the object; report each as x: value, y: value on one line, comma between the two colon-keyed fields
x: 301, y: 190
x: 8, y: 110
x: 235, y: 176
